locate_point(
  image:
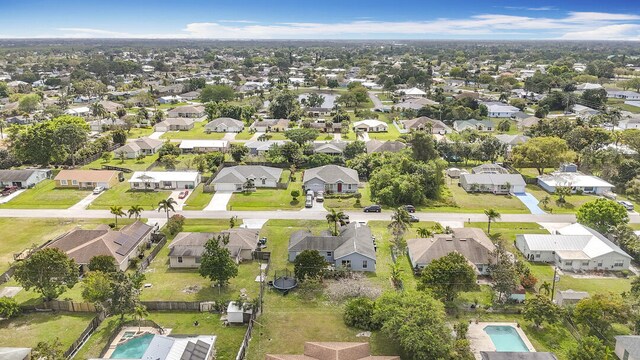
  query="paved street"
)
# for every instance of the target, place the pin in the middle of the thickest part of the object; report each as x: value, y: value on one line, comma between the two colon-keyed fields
x: 377, y: 104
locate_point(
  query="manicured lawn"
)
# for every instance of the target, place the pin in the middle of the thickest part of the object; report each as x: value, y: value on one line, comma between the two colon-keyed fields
x: 132, y: 164
x: 29, y: 329
x: 198, y: 200
x: 512, y: 130
x: 244, y: 135
x: 197, y: 133
x: 123, y: 195
x: 135, y: 133
x: 269, y: 199
x: 391, y: 134
x: 45, y: 196
x: 349, y: 203
x: 508, y: 231
x: 572, y: 204
x: 456, y: 199
x: 544, y: 272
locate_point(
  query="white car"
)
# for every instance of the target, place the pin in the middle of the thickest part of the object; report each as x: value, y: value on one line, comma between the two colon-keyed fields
x: 98, y: 190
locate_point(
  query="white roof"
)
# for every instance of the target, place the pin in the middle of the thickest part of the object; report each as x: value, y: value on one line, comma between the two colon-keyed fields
x: 78, y: 110
x: 370, y: 123
x: 155, y: 176
x: 413, y: 91
x: 190, y: 144
x: 577, y: 179
x: 499, y: 107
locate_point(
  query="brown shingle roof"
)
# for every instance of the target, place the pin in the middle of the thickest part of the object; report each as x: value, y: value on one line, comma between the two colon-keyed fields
x: 87, y: 175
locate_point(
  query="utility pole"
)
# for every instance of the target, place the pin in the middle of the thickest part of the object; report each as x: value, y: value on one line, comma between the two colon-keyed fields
x: 553, y: 285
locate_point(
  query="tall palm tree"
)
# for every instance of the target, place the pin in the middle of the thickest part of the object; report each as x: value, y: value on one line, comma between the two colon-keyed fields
x: 167, y: 205
x: 614, y: 115
x: 98, y: 110
x: 135, y: 211
x: 400, y: 222
x: 424, y: 232
x: 140, y: 312
x: 334, y: 217
x: 117, y: 212
x: 492, y: 214
x: 545, y: 287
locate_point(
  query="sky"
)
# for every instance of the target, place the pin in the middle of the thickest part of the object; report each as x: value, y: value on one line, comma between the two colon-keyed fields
x: 326, y: 19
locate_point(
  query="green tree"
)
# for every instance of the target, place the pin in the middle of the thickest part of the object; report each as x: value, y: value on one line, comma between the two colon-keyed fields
x: 97, y: 289
x: 301, y: 136
x: 602, y: 215
x: 285, y: 105
x: 423, y: 146
x: 103, y: 263
x: 29, y: 103
x: 309, y: 264
x: 117, y: 212
x: 354, y: 149
x: 504, y: 126
x: 448, y: 276
x: 400, y: 223
x: 541, y: 153
x: 9, y: 308
x: 540, y: 309
x: 492, y: 215
x: 238, y: 151
x: 217, y: 93
x: 98, y: 110
x: 48, y: 271
x: 359, y: 313
x: 216, y: 262
x: 590, y: 348
x: 119, y: 136
x: 135, y: 211
x: 599, y: 311
x: 334, y: 217
x: 51, y: 350
x: 125, y: 293
x: 504, y: 275
x: 167, y: 205
x: 295, y: 194
x: 106, y: 156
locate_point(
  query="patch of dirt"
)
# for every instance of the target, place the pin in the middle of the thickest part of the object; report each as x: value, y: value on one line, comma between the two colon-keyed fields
x: 192, y: 289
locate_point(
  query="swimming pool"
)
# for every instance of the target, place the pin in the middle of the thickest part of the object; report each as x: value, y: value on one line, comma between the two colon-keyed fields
x: 132, y: 349
x: 506, y: 338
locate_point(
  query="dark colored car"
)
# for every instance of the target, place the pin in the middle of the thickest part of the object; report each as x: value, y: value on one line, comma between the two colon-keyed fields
x: 373, y: 208
x: 344, y: 219
x: 413, y: 218
x: 409, y: 208
x: 9, y: 190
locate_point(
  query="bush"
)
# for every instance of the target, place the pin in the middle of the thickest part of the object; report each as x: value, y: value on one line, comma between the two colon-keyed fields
x: 358, y: 313
x: 175, y: 224
x: 310, y: 289
x: 9, y: 308
x: 528, y: 281
x: 356, y: 286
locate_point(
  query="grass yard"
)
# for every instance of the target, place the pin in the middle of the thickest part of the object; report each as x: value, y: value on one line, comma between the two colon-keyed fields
x: 513, y: 130
x: 45, y: 196
x: 197, y: 133
x: 544, y: 272
x: 29, y: 329
x: 245, y: 134
x: 391, y: 134
x: 135, y: 133
x: 572, y: 204
x: 123, y: 195
x: 456, y: 199
x: 133, y: 164
x: 349, y: 203
x: 269, y: 198
x: 198, y: 200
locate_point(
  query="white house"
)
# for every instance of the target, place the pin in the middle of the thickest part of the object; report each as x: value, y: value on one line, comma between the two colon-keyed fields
x: 233, y: 178
x: 331, y: 178
x: 79, y: 111
x: 187, y: 146
x: 628, y: 347
x: 172, y: 99
x: 576, y: 180
x: 500, y: 110
x: 493, y: 183
x: 225, y: 125
x: 164, y: 180
x: 142, y: 146
x: 370, y: 125
x: 574, y: 247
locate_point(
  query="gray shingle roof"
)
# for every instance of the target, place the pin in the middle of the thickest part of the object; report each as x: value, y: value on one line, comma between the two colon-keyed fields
x: 353, y: 238
x: 16, y: 175
x: 330, y: 174
x: 240, y: 173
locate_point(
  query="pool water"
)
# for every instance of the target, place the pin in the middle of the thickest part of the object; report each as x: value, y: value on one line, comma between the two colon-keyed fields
x: 132, y: 349
x: 506, y: 338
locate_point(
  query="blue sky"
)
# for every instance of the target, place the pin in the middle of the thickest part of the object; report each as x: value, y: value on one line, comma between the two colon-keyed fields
x: 327, y: 19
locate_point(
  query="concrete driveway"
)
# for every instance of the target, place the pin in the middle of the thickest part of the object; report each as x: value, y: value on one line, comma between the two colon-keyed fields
x: 530, y: 202
x: 219, y: 201
x: 156, y: 135
x: 176, y: 196
x: 82, y: 204
x: 229, y: 136
x: 5, y: 199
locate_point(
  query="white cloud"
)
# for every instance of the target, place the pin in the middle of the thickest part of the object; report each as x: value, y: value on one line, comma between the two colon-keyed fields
x: 91, y: 33
x: 238, y: 21
x: 609, y: 32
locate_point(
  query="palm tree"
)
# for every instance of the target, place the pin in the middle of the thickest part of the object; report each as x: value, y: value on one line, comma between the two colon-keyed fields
x: 503, y: 97
x: 334, y: 217
x: 248, y: 185
x: 424, y: 232
x: 167, y: 205
x: 396, y: 275
x: 492, y: 214
x: 614, y: 115
x: 98, y: 110
x: 400, y: 222
x: 117, y: 212
x: 135, y: 211
x: 545, y: 201
x: 545, y: 287
x: 139, y: 313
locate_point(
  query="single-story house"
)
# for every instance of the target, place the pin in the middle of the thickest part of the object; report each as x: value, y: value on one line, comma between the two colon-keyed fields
x: 187, y: 111
x: 423, y: 123
x: 382, y: 146
x: 528, y: 122
x: 78, y: 111
x: 142, y: 146
x: 370, y: 125
x: 584, y: 111
x: 191, y: 95
x: 588, y: 86
x: 493, y: 183
x: 111, y: 106
x: 101, y: 125
x: 500, y: 110
x: 576, y: 180
x: 352, y: 249
x: 87, y: 179
x: 472, y: 243
x: 23, y: 178
x: 187, y: 248
x: 271, y: 125
x: 257, y: 147
x: 326, y: 126
x: 489, y: 169
x: 414, y: 92
x: 574, y: 247
x: 331, y: 178
x: 199, y: 146
x: 473, y: 124
x: 170, y: 99
x: 164, y: 180
x: 620, y: 94
x: 333, y: 351
x: 233, y: 178
x: 633, y: 123
x: 628, y: 347
x: 225, y: 125
x: 82, y: 245
x: 509, y: 141
x: 174, y: 124
x: 333, y: 147
x: 570, y: 297
x: 415, y: 103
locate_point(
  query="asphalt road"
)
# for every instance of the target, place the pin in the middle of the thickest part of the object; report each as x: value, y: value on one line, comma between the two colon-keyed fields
x: 377, y: 104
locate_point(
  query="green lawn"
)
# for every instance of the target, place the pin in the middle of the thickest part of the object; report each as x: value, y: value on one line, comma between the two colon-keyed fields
x: 456, y: 199
x: 29, y: 329
x: 391, y: 134
x: 197, y: 133
x: 572, y: 204
x: 45, y: 196
x: 135, y: 133
x: 513, y: 130
x: 132, y: 164
x: 269, y: 199
x: 244, y: 135
x: 198, y: 200
x: 123, y: 195
x: 544, y: 272
x: 349, y: 203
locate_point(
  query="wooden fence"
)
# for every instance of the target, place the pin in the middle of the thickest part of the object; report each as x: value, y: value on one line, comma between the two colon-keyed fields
x: 242, y: 352
x: 172, y: 305
x: 70, y: 306
x: 146, y: 261
x: 93, y: 325
x: 117, y: 168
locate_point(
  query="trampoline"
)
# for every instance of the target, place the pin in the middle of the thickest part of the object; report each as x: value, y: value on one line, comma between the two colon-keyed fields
x: 284, y: 280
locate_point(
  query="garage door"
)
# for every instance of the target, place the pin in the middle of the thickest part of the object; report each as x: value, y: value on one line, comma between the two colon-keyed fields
x: 225, y: 187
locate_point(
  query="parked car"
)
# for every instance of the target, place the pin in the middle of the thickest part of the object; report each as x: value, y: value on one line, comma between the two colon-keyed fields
x: 373, y: 208
x: 98, y: 189
x: 309, y: 202
x: 409, y: 208
x: 344, y: 219
x: 183, y: 194
x: 9, y: 190
x: 413, y: 218
x: 320, y: 196
x: 627, y: 205
x: 310, y: 193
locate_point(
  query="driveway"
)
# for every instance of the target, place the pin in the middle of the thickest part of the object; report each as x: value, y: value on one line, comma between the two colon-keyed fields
x: 364, y: 136
x: 156, y: 135
x: 82, y: 204
x: 317, y: 206
x: 377, y: 104
x: 5, y: 199
x: 229, y: 136
x: 253, y: 223
x: 219, y: 201
x: 180, y: 202
x: 530, y: 202
x: 256, y: 136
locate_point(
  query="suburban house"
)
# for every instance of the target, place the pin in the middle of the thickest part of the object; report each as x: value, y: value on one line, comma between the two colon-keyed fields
x: 78, y: 111
x: 23, y: 178
x: 326, y: 126
x: 101, y: 125
x: 183, y: 347
x: 473, y: 124
x: 233, y: 178
x: 331, y: 178
x: 257, y: 147
x: 574, y: 247
x: 382, y: 146
x: 110, y: 106
x: 333, y: 147
x: 500, y: 110
x: 620, y: 94
x: 528, y: 122
x: 472, y: 243
x: 271, y: 125
x: 489, y: 169
x: 493, y: 183
x: 352, y: 249
x: 570, y: 297
x: 187, y: 111
x: 142, y: 146
x: 633, y: 123
x: 82, y: 245
x: 170, y: 99
x: 164, y: 180
x: 584, y: 111
x: 187, y: 247
x: 174, y: 124
x: 628, y: 347
x: 333, y: 351
x: 571, y: 177
x: 413, y: 92
x: 87, y: 179
x: 510, y: 141
x: 191, y: 95
x: 370, y: 125
x: 424, y: 123
x: 415, y: 103
x: 225, y: 125
x: 200, y: 146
